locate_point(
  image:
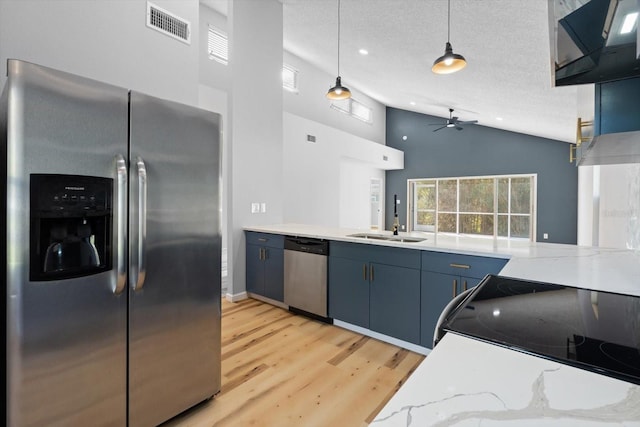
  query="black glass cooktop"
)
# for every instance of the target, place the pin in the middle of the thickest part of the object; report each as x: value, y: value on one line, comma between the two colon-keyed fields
x: 593, y: 330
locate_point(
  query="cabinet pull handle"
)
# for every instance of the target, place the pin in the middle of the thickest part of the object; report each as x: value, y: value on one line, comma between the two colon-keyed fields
x: 371, y: 273
x: 262, y: 239
x: 364, y: 272
x: 265, y: 254
x: 464, y: 285
x: 460, y: 266
x: 261, y: 254
x: 454, y: 287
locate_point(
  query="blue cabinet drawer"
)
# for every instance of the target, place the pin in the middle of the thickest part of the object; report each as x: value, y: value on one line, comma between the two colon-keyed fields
x: 400, y: 257
x: 462, y: 265
x: 265, y: 239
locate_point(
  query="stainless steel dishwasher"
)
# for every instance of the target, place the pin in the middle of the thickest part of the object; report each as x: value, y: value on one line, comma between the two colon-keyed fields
x: 305, y: 276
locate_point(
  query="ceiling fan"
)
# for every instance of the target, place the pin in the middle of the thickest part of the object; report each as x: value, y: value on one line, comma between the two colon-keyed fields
x: 453, y: 122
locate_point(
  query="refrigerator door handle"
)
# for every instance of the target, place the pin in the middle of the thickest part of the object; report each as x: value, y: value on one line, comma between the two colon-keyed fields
x: 121, y: 224
x: 142, y: 224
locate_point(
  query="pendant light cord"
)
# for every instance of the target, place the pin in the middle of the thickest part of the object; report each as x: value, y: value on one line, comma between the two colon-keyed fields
x: 338, y: 37
x: 448, y: 21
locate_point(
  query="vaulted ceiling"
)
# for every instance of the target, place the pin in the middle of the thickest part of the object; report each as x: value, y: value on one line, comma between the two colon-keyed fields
x: 505, y: 42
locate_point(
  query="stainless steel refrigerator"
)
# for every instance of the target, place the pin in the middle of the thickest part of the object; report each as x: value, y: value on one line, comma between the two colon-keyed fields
x: 111, y: 223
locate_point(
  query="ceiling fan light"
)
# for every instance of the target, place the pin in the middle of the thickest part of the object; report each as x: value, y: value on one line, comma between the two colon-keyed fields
x: 338, y: 91
x: 449, y: 62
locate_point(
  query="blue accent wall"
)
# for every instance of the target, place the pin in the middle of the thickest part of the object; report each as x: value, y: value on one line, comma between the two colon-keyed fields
x: 480, y: 150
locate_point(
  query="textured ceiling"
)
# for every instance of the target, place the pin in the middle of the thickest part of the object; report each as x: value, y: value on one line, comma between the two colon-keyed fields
x: 505, y: 42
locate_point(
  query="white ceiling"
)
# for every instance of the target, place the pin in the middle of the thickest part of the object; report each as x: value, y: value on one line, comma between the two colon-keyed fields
x: 505, y: 42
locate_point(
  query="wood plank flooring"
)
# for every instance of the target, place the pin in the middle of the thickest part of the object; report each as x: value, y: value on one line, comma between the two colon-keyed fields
x: 280, y: 369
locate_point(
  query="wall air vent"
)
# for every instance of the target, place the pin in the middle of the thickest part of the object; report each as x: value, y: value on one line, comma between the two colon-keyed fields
x: 168, y: 23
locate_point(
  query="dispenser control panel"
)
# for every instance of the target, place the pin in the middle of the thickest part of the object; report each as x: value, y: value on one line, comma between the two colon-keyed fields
x: 67, y: 195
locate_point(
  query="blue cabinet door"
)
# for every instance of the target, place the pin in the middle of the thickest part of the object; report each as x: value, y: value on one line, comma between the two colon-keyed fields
x: 617, y: 106
x: 395, y: 301
x: 274, y: 274
x: 349, y: 291
x: 255, y: 270
x: 436, y: 290
x: 265, y: 265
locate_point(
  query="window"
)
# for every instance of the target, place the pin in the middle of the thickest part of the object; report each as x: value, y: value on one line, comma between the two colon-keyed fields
x: 218, y: 45
x: 496, y: 206
x: 360, y: 111
x: 289, y: 78
x: 353, y: 108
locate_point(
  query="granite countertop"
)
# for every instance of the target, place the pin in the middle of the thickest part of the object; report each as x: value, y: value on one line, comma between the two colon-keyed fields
x: 467, y: 382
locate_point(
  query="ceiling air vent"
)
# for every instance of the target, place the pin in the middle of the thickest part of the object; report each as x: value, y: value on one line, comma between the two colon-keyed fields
x: 168, y: 23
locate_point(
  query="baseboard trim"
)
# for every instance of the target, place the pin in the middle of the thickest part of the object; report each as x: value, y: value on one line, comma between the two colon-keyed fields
x: 267, y: 300
x: 391, y: 340
x: 236, y: 297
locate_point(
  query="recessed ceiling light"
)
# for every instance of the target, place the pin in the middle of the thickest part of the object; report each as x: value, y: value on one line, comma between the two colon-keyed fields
x: 363, y: 52
x: 404, y: 137
x: 412, y: 103
x: 499, y: 119
x: 629, y: 21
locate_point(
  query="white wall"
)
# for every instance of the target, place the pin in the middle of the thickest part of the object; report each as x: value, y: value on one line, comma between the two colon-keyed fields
x: 310, y: 102
x: 104, y: 40
x: 255, y: 106
x: 328, y: 182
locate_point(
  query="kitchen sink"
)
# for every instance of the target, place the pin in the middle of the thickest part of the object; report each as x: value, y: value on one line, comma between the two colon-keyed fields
x: 407, y: 239
x: 388, y: 237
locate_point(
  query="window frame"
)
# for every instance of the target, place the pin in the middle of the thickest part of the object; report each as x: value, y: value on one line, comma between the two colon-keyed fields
x: 413, y: 211
x: 346, y: 106
x: 223, y: 41
x: 293, y: 87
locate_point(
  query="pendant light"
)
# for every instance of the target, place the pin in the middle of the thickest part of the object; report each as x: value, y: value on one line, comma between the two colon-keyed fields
x: 449, y: 62
x: 338, y: 91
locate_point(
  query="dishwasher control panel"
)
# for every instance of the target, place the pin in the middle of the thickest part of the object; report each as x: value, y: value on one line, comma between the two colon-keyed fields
x: 303, y: 244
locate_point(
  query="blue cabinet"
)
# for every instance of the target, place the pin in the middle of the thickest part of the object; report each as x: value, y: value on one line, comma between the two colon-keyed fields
x: 376, y: 287
x: 348, y: 290
x: 265, y: 265
x: 617, y: 107
x: 395, y: 301
x: 445, y: 275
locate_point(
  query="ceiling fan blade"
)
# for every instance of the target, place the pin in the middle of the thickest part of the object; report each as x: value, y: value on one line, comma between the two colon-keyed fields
x: 441, y: 127
x: 436, y: 124
x: 468, y: 122
x: 454, y: 119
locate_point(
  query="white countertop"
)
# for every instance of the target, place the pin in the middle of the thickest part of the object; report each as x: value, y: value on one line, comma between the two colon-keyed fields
x: 604, y: 269
x: 467, y: 382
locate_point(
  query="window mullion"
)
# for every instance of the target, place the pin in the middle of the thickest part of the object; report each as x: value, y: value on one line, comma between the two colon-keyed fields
x: 509, y: 210
x: 458, y: 206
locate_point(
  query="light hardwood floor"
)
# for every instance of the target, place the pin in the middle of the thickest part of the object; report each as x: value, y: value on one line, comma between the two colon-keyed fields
x: 280, y: 369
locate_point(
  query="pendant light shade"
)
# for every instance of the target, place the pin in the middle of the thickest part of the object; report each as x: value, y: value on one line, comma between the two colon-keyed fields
x: 449, y: 62
x: 338, y: 91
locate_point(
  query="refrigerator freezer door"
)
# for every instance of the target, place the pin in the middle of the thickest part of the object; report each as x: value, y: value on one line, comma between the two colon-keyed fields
x: 66, y: 339
x: 174, y: 274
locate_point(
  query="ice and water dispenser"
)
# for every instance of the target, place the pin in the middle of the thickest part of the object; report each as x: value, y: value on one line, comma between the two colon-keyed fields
x: 70, y: 226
